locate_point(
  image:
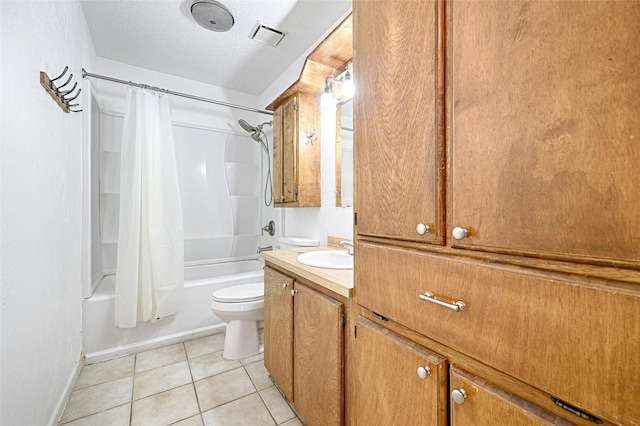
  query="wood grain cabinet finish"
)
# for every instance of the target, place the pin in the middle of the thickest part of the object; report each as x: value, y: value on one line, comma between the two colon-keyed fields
x: 296, y: 152
x: 318, y: 367
x: 562, y: 335
x: 545, y: 127
x: 278, y: 329
x: 397, y: 65
x: 389, y: 389
x: 484, y: 404
x: 304, y: 348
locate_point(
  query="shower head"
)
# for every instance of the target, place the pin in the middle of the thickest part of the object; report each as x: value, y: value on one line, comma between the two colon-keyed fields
x: 212, y: 15
x: 246, y: 126
x: 255, y: 131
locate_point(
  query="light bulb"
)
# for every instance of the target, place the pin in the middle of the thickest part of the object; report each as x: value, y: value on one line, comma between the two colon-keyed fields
x: 348, y: 89
x: 326, y: 99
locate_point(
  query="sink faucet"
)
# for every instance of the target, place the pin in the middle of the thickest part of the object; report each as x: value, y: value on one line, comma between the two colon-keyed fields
x: 347, y: 243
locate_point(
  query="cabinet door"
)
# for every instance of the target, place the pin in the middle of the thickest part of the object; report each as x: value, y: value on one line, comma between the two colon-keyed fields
x: 398, y: 160
x: 474, y: 401
x: 318, y: 357
x: 545, y: 126
x: 278, y: 329
x: 390, y: 388
x: 285, y: 152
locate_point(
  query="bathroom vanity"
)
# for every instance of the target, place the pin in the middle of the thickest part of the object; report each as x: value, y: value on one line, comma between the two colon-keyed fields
x: 305, y: 314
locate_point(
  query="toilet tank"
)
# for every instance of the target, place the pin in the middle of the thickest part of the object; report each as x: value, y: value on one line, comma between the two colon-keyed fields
x: 293, y: 242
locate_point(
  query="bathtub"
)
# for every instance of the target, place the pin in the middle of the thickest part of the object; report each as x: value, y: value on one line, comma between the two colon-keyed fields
x: 102, y: 340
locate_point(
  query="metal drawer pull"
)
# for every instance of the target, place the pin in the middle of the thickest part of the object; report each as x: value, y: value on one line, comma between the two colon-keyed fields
x: 455, y: 306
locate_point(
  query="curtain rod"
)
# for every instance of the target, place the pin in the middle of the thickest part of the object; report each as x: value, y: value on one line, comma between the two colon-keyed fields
x: 86, y: 74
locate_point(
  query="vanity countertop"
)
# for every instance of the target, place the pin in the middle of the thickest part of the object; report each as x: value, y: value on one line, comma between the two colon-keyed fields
x: 339, y: 281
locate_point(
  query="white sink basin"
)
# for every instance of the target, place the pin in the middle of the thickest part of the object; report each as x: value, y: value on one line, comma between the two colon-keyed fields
x: 330, y: 259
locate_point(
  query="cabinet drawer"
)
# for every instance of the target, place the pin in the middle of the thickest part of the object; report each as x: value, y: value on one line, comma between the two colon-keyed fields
x: 575, y: 340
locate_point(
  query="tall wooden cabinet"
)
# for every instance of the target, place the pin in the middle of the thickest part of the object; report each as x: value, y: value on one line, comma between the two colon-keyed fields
x: 398, y: 64
x: 296, y: 151
x: 511, y: 130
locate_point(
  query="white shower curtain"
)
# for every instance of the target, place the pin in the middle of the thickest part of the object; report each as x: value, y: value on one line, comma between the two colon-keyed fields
x: 150, y: 261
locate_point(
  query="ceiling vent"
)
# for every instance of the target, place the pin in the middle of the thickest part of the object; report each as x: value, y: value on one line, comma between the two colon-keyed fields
x: 266, y: 34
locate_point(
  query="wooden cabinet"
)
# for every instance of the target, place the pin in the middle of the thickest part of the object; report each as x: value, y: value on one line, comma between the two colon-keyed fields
x: 544, y: 128
x: 475, y: 401
x: 304, y: 348
x: 318, y: 354
x: 515, y: 321
x: 278, y: 329
x: 397, y: 382
x: 398, y: 119
x: 514, y: 125
x: 296, y: 151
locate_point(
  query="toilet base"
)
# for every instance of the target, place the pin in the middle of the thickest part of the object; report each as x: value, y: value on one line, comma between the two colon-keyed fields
x: 242, y: 339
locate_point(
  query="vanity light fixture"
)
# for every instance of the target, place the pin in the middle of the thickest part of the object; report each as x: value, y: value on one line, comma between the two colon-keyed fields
x: 339, y: 88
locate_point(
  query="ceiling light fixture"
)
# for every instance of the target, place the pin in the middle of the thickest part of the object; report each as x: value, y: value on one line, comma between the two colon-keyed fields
x: 212, y: 15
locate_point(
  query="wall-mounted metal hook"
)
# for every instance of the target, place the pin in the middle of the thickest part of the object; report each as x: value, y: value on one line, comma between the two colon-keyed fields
x: 65, y: 83
x: 66, y: 92
x: 60, y: 76
x: 71, y: 99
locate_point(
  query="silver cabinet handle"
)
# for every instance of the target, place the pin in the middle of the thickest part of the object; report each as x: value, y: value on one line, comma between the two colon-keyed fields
x: 422, y: 229
x: 424, y: 372
x: 293, y: 292
x: 459, y: 395
x: 459, y: 233
x: 455, y: 306
x: 285, y: 285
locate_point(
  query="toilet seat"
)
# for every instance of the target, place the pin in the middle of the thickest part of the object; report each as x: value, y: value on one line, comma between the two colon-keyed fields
x: 240, y: 293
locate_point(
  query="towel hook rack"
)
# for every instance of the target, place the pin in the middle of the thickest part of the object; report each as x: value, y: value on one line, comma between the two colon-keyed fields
x: 62, y: 97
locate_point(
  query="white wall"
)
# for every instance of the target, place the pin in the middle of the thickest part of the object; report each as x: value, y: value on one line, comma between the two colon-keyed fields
x: 41, y: 208
x: 327, y: 220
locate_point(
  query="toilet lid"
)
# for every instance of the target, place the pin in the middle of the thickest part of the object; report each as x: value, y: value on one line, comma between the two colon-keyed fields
x: 240, y: 293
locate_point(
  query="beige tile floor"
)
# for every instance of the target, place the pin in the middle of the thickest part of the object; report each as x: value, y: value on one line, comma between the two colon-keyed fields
x: 184, y: 384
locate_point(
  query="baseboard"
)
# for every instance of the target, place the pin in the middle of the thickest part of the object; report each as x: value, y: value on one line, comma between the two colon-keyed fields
x: 64, y: 397
x: 145, y: 345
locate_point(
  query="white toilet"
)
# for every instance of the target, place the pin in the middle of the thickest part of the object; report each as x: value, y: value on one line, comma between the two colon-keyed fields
x: 242, y: 308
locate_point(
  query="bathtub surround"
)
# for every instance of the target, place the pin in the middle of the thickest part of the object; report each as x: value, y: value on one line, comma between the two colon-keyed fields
x: 150, y: 274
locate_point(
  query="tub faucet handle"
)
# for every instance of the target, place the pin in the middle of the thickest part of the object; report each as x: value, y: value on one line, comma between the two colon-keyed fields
x: 348, y: 244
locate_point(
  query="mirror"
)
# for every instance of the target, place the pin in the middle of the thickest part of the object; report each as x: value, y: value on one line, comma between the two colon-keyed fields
x: 344, y: 154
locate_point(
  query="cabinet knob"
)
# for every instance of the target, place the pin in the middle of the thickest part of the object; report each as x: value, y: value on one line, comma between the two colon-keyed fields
x: 424, y: 372
x: 285, y: 285
x: 422, y: 229
x: 459, y: 395
x: 459, y: 233
x: 293, y: 292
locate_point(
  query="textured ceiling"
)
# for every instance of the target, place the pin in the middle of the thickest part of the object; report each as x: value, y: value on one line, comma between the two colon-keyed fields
x: 161, y: 35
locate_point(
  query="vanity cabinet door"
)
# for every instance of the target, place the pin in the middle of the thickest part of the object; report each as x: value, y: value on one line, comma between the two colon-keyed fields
x: 318, y: 357
x: 296, y: 152
x: 544, y: 128
x: 278, y: 329
x: 474, y: 401
x: 399, y: 163
x: 397, y: 381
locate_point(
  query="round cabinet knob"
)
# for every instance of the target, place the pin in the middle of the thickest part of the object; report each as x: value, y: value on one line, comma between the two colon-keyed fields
x: 422, y: 229
x: 459, y: 233
x: 458, y: 396
x: 424, y: 372
x: 285, y: 285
